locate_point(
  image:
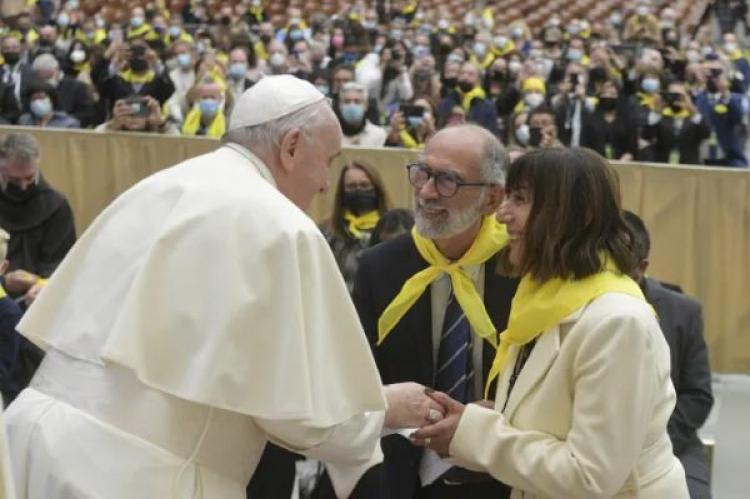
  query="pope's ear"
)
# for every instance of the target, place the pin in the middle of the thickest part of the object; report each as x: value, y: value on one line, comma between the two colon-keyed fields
x: 289, y: 148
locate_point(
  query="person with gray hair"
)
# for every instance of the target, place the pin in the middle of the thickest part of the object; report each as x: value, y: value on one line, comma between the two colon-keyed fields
x: 432, y: 302
x: 200, y: 316
x: 352, y: 109
x: 72, y: 96
x: 37, y: 216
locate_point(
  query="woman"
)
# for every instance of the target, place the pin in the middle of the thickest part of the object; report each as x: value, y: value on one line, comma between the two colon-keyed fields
x: 412, y: 132
x: 359, y: 203
x: 584, y: 392
x: 44, y: 110
x: 610, y: 128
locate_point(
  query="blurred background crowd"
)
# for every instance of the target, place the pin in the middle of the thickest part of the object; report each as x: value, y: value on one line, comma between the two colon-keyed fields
x: 645, y: 80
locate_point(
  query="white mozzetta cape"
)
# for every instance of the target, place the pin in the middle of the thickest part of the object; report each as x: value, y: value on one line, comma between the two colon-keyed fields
x: 213, y: 287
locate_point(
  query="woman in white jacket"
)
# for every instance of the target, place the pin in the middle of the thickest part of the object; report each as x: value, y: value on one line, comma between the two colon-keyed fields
x: 583, y: 394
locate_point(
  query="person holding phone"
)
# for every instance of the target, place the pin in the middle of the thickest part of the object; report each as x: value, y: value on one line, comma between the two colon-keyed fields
x: 138, y: 114
x: 412, y: 125
x: 543, y: 129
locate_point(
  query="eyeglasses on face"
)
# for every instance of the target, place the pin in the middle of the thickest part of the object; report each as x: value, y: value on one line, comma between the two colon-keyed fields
x: 446, y: 184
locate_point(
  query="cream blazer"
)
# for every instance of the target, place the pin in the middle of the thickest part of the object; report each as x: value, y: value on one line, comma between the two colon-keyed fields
x: 588, y: 414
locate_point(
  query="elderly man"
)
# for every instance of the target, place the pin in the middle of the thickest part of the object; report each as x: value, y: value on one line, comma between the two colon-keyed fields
x: 352, y: 109
x: 73, y: 96
x: 238, y: 71
x: 444, y: 340
x: 168, y: 380
x: 206, y: 118
x: 38, y: 217
x: 13, y: 71
x: 472, y: 98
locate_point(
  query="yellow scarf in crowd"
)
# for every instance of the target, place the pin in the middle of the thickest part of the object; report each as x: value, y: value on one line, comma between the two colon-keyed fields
x: 491, y: 238
x: 474, y: 93
x: 537, y: 307
x: 193, y: 122
x: 681, y: 115
x: 648, y: 100
x: 408, y: 140
x: 365, y: 222
x: 137, y: 79
x: 2, y: 292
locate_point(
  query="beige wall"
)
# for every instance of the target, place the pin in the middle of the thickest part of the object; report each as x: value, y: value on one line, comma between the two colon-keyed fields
x: 699, y: 218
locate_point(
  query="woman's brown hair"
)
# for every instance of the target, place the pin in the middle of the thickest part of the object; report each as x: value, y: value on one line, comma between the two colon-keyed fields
x: 575, y: 214
x: 338, y: 223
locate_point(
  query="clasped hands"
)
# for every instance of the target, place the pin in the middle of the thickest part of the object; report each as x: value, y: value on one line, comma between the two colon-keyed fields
x: 436, y: 414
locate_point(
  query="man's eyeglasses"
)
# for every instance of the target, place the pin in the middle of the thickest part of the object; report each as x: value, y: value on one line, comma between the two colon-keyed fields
x: 446, y: 184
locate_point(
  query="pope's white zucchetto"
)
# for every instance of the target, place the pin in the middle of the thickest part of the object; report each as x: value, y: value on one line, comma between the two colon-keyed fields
x: 273, y: 97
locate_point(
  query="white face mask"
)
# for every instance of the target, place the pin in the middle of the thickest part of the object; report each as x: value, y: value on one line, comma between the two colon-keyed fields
x: 277, y: 59
x: 730, y: 47
x: 534, y: 100
x: 523, y: 134
x: 500, y: 41
x: 78, y: 56
x: 642, y: 10
x: 514, y: 67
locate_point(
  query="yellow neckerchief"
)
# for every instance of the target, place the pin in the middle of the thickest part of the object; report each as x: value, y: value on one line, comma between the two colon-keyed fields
x: 520, y: 107
x: 183, y: 37
x: 256, y: 12
x: 736, y: 55
x: 100, y: 35
x: 83, y: 67
x: 358, y: 223
x: 410, y: 8
x: 488, y: 15
x: 137, y: 79
x: 145, y: 30
x: 193, y: 122
x: 489, y: 58
x: 474, y: 93
x: 585, y: 61
x: 648, y: 100
x: 408, y: 140
x: 501, y: 52
x: 31, y: 36
x: 260, y: 50
x: 491, y: 238
x: 3, y: 294
x: 681, y: 115
x: 721, y: 108
x: 537, y: 307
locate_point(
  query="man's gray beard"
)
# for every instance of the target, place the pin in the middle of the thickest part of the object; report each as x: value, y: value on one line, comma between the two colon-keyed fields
x: 454, y: 225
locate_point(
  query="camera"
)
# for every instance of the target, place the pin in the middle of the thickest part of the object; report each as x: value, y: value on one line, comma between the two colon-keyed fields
x: 138, y: 106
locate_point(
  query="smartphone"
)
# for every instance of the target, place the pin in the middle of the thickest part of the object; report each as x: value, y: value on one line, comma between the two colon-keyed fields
x: 574, y: 79
x: 411, y: 111
x: 138, y: 106
x: 535, y: 136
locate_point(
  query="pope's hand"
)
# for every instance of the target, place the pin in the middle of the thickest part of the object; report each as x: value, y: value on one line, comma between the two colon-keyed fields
x: 438, y: 436
x: 409, y: 406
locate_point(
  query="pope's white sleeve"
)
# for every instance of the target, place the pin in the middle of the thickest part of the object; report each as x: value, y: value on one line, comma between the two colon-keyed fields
x: 349, y: 449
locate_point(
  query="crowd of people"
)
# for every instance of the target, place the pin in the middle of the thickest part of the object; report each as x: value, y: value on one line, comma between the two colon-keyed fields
x: 632, y: 84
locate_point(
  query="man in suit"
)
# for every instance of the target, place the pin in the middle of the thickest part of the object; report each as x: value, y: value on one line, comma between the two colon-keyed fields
x: 14, y: 72
x: 458, y: 185
x: 681, y: 321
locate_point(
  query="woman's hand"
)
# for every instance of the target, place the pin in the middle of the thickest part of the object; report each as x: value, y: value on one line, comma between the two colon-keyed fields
x: 438, y: 436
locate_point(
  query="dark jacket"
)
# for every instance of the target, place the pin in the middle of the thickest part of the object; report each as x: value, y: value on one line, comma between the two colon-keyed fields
x: 10, y: 109
x: 727, y: 125
x: 687, y: 140
x: 618, y: 137
x: 74, y: 97
x: 481, y: 111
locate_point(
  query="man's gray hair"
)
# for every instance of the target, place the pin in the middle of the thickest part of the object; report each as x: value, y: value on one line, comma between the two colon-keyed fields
x: 20, y: 147
x: 353, y: 86
x: 45, y: 62
x: 266, y: 137
x: 493, y: 159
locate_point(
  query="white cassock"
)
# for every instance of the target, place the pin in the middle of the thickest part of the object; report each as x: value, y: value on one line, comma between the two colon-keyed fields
x: 6, y: 477
x: 201, y: 315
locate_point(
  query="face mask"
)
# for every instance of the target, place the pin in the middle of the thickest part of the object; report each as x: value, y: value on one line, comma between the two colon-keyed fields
x: 536, y: 53
x: 616, y: 19
x: 337, y: 41
x: 554, y: 22
x: 359, y: 202
x: 516, y: 32
x: 397, y: 35
x: 352, y: 113
x: 238, y: 70
x: 480, y: 49
x: 443, y: 24
x: 15, y: 193
x: 707, y: 50
x: 607, y: 103
x: 450, y: 82
x: 523, y: 135
x: 72, y: 4
x: 465, y: 86
x: 295, y: 20
x: 184, y: 60
x: 209, y: 107
x: 136, y: 22
x: 225, y: 20
x: 426, y: 29
x: 265, y: 38
x: 100, y: 23
x: 694, y: 57
x: 323, y: 89
x: 574, y: 29
x: 277, y: 59
x: 421, y: 51
x: 730, y: 47
x: 575, y: 54
x: 138, y: 64
x: 642, y: 10
x: 650, y: 85
x: 63, y: 20
x: 296, y: 34
x: 500, y: 42
x: 78, y: 56
x: 534, y: 100
x: 41, y: 107
x: 369, y: 24
x: 514, y: 67
x: 455, y: 58
x: 498, y: 75
x: 11, y: 58
x: 711, y: 86
x: 174, y: 31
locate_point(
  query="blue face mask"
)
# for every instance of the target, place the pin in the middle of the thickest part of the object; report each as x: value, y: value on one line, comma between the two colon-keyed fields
x: 323, y: 89
x: 575, y: 54
x: 415, y: 121
x: 349, y: 58
x: 650, y: 85
x: 41, y: 107
x: 136, y: 22
x: 238, y: 70
x: 209, y: 107
x: 174, y: 31
x: 183, y: 60
x: 353, y: 113
x: 296, y: 34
